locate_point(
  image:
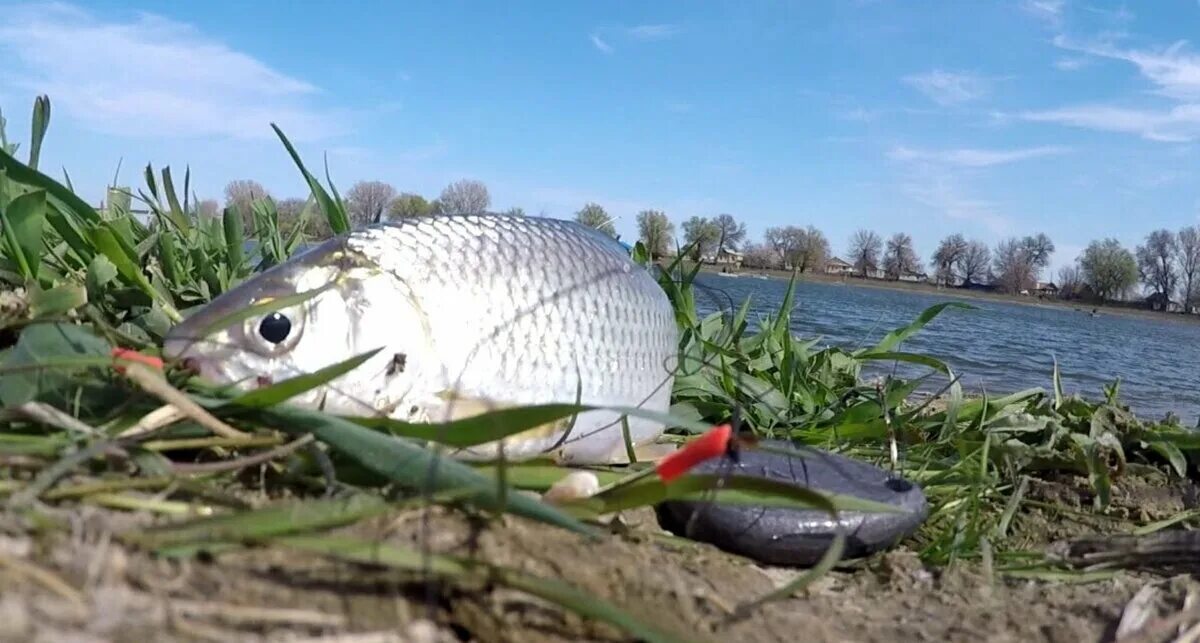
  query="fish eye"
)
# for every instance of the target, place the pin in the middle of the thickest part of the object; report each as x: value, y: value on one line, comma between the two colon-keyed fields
x: 275, y: 328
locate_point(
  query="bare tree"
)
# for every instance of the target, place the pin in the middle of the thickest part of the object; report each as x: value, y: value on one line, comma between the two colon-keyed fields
x: 409, y: 205
x: 811, y: 249
x: 1013, y: 270
x: 241, y: 190
x: 803, y: 249
x: 1156, y: 262
x: 1038, y: 249
x: 655, y: 231
x: 947, y: 257
x: 730, y: 233
x: 594, y: 216
x: 367, y: 200
x: 467, y: 196
x: 1020, y: 262
x: 972, y: 266
x: 703, y: 233
x: 242, y: 193
x: 290, y: 209
x: 208, y: 208
x: 900, y: 259
x: 759, y: 255
x: 865, y: 247
x: 1188, y: 259
x: 777, y: 239
x: 515, y: 211
x: 1070, y: 282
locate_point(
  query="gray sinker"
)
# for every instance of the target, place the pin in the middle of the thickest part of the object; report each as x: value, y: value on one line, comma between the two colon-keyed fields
x: 799, y: 537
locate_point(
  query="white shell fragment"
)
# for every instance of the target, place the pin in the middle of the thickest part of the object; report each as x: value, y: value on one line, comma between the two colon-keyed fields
x: 573, y: 486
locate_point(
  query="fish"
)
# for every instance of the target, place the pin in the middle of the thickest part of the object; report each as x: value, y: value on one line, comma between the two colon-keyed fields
x: 470, y: 313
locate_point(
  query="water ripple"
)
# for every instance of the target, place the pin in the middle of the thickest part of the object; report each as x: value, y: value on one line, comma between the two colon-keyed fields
x: 1001, y: 347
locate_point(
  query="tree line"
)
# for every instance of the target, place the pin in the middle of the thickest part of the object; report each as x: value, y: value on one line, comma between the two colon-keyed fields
x: 1166, y: 264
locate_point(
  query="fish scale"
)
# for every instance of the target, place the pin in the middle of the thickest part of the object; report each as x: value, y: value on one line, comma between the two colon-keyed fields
x: 486, y: 310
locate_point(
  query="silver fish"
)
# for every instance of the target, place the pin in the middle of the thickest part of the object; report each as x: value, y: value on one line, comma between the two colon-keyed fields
x: 472, y: 312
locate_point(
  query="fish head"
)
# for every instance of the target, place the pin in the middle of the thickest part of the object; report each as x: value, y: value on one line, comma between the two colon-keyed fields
x: 293, y: 318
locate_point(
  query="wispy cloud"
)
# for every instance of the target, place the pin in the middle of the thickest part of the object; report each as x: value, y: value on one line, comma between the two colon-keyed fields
x: 1179, y: 124
x: 1119, y: 15
x: 599, y: 43
x: 1070, y: 64
x: 644, y: 33
x: 1050, y: 11
x: 153, y: 77
x: 652, y: 32
x: 967, y: 157
x: 1173, y: 70
x: 948, y: 88
x: 943, y: 194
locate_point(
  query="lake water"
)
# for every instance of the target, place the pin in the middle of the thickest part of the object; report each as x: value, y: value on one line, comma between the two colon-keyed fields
x: 1000, y: 346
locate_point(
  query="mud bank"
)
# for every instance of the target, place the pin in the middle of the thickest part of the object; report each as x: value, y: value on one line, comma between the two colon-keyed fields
x: 109, y: 592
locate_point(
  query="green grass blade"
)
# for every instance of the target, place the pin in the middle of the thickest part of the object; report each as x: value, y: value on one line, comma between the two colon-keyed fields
x: 22, y: 173
x: 232, y: 223
x: 291, y: 387
x: 107, y: 242
x: 780, y: 328
x: 68, y: 228
x: 57, y: 300
x: 177, y: 212
x: 169, y: 257
x: 739, y: 490
x: 479, y: 429
x: 41, y: 121
x: 338, y: 221
x: 152, y: 184
x: 899, y: 335
x: 258, y: 524
x: 24, y: 227
x: 408, y: 464
x: 912, y: 358
x: 1058, y: 389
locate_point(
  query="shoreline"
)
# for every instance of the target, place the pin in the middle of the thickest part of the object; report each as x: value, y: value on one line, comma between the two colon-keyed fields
x: 960, y: 293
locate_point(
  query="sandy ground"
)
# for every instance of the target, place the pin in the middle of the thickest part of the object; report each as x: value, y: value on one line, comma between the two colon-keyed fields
x: 113, y: 593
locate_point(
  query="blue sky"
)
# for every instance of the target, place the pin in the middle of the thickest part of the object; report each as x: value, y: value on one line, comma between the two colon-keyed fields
x: 1077, y: 119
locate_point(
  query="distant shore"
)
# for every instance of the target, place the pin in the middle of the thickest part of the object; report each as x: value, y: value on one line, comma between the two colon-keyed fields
x: 961, y: 293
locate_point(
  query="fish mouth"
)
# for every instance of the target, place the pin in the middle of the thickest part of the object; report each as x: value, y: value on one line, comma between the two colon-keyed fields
x: 206, y: 369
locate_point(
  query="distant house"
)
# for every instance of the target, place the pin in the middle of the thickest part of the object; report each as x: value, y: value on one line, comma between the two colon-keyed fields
x: 876, y: 273
x: 1159, y: 301
x: 728, y: 257
x: 914, y: 277
x: 1046, y: 289
x: 836, y: 266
